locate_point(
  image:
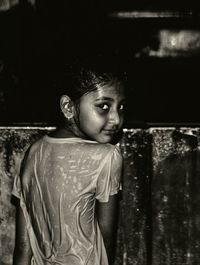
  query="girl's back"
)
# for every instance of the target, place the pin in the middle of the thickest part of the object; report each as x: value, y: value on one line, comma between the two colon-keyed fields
x: 61, y: 181
x: 67, y: 178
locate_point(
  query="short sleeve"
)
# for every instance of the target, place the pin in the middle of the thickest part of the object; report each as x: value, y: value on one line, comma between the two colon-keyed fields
x: 16, y: 191
x: 109, y: 180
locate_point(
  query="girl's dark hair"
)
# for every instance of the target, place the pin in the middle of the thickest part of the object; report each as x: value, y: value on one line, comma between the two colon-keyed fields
x: 83, y: 76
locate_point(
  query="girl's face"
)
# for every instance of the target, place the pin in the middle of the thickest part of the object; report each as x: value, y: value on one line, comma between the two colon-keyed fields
x: 101, y: 113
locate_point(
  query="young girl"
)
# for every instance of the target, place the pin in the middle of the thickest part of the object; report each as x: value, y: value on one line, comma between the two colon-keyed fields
x: 69, y: 179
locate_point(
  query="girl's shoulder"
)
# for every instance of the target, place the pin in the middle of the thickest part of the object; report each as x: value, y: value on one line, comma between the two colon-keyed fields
x: 105, y: 149
x: 111, y: 148
x: 35, y: 145
x: 33, y: 148
x: 76, y: 141
x: 88, y: 147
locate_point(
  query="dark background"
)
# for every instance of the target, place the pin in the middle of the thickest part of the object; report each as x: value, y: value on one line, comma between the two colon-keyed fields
x: 37, y: 40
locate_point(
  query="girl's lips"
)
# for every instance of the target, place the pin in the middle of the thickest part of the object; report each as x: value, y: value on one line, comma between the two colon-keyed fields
x: 110, y: 131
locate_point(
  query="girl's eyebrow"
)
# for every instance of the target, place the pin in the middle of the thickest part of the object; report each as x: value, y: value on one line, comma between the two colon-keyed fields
x: 105, y: 98
x: 108, y: 98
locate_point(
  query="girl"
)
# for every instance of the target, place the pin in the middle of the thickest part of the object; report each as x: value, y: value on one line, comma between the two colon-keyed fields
x: 69, y: 179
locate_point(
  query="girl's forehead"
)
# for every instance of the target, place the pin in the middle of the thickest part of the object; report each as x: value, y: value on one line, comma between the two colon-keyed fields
x: 112, y: 91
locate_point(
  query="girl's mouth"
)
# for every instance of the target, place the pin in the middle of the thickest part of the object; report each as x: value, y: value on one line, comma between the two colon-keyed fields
x: 110, y: 131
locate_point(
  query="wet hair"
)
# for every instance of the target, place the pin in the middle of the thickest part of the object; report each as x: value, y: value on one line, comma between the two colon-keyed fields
x: 84, y: 76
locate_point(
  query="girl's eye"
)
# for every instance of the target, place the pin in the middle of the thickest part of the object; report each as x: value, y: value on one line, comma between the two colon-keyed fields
x: 104, y: 106
x: 121, y: 107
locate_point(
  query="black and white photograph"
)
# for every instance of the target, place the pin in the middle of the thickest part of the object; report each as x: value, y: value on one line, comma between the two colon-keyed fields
x: 99, y: 132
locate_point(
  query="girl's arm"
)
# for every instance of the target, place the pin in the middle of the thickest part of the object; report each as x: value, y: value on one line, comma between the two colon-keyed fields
x: 107, y: 215
x: 22, y: 252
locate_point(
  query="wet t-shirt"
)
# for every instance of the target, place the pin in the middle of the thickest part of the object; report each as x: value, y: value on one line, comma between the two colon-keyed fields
x: 59, y: 184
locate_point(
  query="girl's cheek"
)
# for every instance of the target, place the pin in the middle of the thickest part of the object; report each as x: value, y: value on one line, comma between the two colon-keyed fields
x: 102, y: 114
x: 121, y: 121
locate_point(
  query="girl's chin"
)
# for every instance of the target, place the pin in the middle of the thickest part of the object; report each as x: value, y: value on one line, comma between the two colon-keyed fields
x: 101, y: 138
x: 105, y: 139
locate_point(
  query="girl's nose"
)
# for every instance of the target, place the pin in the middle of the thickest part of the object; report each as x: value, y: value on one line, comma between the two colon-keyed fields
x: 114, y: 118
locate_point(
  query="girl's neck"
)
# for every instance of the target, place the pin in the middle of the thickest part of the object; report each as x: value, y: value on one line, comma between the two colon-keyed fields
x: 67, y: 132
x: 62, y: 133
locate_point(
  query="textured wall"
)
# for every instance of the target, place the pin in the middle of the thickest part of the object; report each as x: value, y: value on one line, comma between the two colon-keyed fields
x: 175, y: 198
x: 159, y: 211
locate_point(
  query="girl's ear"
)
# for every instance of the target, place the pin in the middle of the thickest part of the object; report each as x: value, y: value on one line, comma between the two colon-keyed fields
x: 67, y: 107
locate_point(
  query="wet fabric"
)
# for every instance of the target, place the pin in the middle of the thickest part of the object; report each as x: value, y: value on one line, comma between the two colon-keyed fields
x: 58, y: 187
